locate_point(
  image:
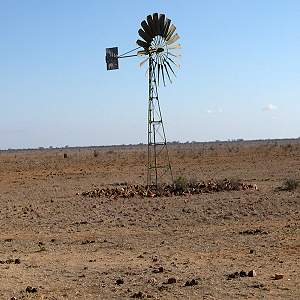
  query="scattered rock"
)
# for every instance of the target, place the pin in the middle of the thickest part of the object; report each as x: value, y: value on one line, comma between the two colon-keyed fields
x: 119, y: 281
x: 87, y: 242
x: 257, y: 286
x: 162, y: 288
x: 242, y: 273
x: 11, y: 261
x: 171, y: 280
x: 252, y: 251
x: 252, y: 273
x: 159, y: 270
x: 139, y: 295
x: 191, y: 282
x: 233, y: 275
x: 31, y: 289
x: 278, y: 276
x: 152, y: 281
x: 168, y: 190
x: 253, y: 231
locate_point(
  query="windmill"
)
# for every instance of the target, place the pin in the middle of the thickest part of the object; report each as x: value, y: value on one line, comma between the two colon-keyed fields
x: 157, y: 43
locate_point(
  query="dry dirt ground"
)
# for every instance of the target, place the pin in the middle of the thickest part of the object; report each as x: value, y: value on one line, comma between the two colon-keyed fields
x: 57, y: 244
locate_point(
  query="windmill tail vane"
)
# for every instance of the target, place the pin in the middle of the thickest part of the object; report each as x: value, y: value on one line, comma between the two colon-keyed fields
x: 157, y: 42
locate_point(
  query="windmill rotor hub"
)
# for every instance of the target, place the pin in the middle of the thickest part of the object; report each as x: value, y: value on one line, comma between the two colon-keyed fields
x: 159, y: 50
x: 158, y: 38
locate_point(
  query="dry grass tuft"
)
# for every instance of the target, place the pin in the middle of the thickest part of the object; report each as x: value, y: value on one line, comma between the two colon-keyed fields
x: 290, y: 184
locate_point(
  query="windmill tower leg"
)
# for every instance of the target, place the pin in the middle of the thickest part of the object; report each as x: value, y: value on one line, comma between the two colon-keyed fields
x: 159, y: 166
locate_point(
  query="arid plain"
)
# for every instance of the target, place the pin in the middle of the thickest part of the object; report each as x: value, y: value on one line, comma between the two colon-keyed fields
x: 57, y: 244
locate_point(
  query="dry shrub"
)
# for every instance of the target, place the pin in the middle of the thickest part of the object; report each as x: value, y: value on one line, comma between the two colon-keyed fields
x: 290, y: 184
x: 65, y: 155
x: 96, y: 153
x: 181, y: 184
x: 235, y: 183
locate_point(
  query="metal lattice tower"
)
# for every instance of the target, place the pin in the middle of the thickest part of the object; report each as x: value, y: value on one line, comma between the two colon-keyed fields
x: 159, y: 165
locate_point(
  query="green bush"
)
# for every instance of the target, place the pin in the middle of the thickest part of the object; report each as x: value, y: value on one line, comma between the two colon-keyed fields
x: 181, y: 184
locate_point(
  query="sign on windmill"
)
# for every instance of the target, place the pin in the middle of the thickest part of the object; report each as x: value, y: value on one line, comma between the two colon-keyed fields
x: 158, y: 43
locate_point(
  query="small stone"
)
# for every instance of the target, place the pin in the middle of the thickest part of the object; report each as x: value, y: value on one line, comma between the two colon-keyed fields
x: 171, y: 280
x: 278, y: 276
x: 17, y: 261
x: 31, y: 289
x: 191, y: 283
x: 252, y: 251
x: 252, y: 273
x: 152, y: 281
x: 233, y: 275
x: 119, y: 281
x: 243, y: 274
x: 138, y: 295
x: 159, y: 270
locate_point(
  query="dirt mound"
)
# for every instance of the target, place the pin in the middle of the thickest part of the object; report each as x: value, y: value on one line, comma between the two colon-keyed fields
x: 179, y: 188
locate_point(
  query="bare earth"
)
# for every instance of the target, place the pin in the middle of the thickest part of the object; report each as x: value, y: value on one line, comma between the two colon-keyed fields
x: 58, y: 244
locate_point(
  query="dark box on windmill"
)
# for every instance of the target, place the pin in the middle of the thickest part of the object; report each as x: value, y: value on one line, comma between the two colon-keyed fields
x: 112, y: 58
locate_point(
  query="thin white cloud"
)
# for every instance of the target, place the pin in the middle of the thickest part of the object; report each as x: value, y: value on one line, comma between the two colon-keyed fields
x: 270, y: 107
x: 215, y: 111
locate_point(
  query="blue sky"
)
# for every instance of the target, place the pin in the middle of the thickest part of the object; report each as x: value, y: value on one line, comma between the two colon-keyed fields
x: 239, y: 75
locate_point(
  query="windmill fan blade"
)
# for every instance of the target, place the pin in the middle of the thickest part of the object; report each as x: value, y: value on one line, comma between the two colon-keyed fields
x: 145, y: 36
x: 166, y: 28
x: 142, y: 44
x: 156, y: 23
x: 151, y: 24
x: 172, y: 61
x: 163, y: 76
x: 175, y: 55
x: 168, y: 64
x: 173, y: 39
x: 167, y: 72
x: 171, y: 31
x: 161, y: 21
x: 178, y: 46
x: 147, y: 28
x: 158, y: 69
x: 141, y: 63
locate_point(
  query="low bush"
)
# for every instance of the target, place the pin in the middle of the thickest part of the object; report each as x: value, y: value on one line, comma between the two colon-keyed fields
x: 181, y: 184
x: 290, y: 184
